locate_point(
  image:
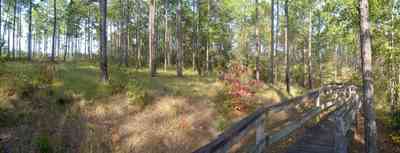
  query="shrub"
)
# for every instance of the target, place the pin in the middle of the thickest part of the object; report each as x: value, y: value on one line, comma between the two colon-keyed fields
x: 221, y: 123
x: 240, y: 87
x: 140, y: 97
x: 396, y: 120
x: 117, y: 87
x: 42, y: 143
x: 25, y: 87
x: 224, y: 100
x: 47, y: 73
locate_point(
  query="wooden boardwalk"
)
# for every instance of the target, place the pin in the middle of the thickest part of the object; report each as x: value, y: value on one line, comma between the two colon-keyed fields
x: 317, y: 139
x: 337, y: 104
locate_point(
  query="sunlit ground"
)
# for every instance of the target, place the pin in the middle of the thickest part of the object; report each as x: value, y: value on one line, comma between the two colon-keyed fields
x: 74, y: 112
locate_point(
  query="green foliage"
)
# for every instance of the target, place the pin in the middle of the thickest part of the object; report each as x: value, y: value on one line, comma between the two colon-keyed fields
x: 395, y: 137
x: 221, y: 123
x: 42, y: 143
x: 395, y: 120
x: 139, y: 93
x: 140, y: 98
x: 224, y: 101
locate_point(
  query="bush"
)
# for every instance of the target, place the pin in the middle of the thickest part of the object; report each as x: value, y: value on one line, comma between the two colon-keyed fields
x: 224, y: 100
x: 396, y: 120
x: 395, y: 137
x: 117, y: 87
x: 221, y: 123
x: 140, y: 97
x: 240, y: 87
x: 47, y: 73
x: 42, y: 143
x: 25, y: 86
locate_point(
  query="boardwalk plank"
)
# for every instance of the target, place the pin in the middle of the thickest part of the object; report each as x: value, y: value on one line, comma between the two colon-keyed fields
x: 317, y: 139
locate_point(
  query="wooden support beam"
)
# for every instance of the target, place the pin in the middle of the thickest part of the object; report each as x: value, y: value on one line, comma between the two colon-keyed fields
x: 260, y: 134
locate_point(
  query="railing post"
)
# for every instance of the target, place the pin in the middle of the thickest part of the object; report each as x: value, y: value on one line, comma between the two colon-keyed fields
x: 340, y: 138
x: 317, y: 100
x: 260, y: 133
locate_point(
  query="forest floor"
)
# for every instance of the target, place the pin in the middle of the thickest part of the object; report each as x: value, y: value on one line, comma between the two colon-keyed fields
x: 65, y: 109
x: 386, y: 143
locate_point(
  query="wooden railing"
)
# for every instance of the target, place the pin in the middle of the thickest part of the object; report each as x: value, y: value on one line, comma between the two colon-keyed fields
x: 339, y: 99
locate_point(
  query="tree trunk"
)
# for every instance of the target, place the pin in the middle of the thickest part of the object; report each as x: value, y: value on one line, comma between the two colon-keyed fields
x: 304, y: 53
x: 287, y: 76
x: 103, y: 41
x: 14, y: 28
x: 310, y: 83
x: 8, y: 41
x: 126, y: 34
x: 277, y: 39
x: 53, y: 43
x: 319, y: 50
x: 199, y: 60
x: 392, y: 70
x: 179, y: 52
x: 257, y: 45
x: 66, y: 46
x: 1, y: 34
x: 208, y: 39
x: 166, y: 35
x: 19, y: 31
x: 194, y: 40
x: 152, y: 5
x: 272, y: 54
x: 368, y: 89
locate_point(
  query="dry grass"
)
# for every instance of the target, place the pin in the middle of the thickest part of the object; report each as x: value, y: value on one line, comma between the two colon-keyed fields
x: 182, y: 115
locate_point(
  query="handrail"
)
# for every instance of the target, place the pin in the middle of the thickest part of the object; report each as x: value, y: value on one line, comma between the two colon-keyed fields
x: 257, y: 119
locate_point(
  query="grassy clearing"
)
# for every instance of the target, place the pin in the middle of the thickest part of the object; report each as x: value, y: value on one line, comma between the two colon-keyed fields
x: 66, y: 109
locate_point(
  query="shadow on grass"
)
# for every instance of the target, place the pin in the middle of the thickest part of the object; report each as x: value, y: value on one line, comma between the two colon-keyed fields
x: 46, y: 123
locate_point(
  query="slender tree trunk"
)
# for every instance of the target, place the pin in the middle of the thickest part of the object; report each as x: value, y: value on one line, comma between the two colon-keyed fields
x: 66, y: 46
x: 392, y: 70
x: 272, y: 54
x: 194, y: 41
x: 8, y: 41
x: 257, y: 45
x: 103, y: 41
x: 199, y: 64
x: 179, y: 55
x: 126, y: 34
x: 58, y: 41
x: 336, y: 59
x: 368, y: 87
x: 310, y: 83
x: 152, y: 5
x: 30, y: 32
x: 166, y: 35
x: 85, y: 38
x: 53, y: 43
x: 14, y: 28
x: 90, y: 37
x: 137, y: 43
x: 287, y: 47
x: 319, y: 50
x: 208, y: 38
x: 277, y: 39
x: 304, y: 81
x: 19, y: 31
x: 34, y: 45
x: 1, y: 34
